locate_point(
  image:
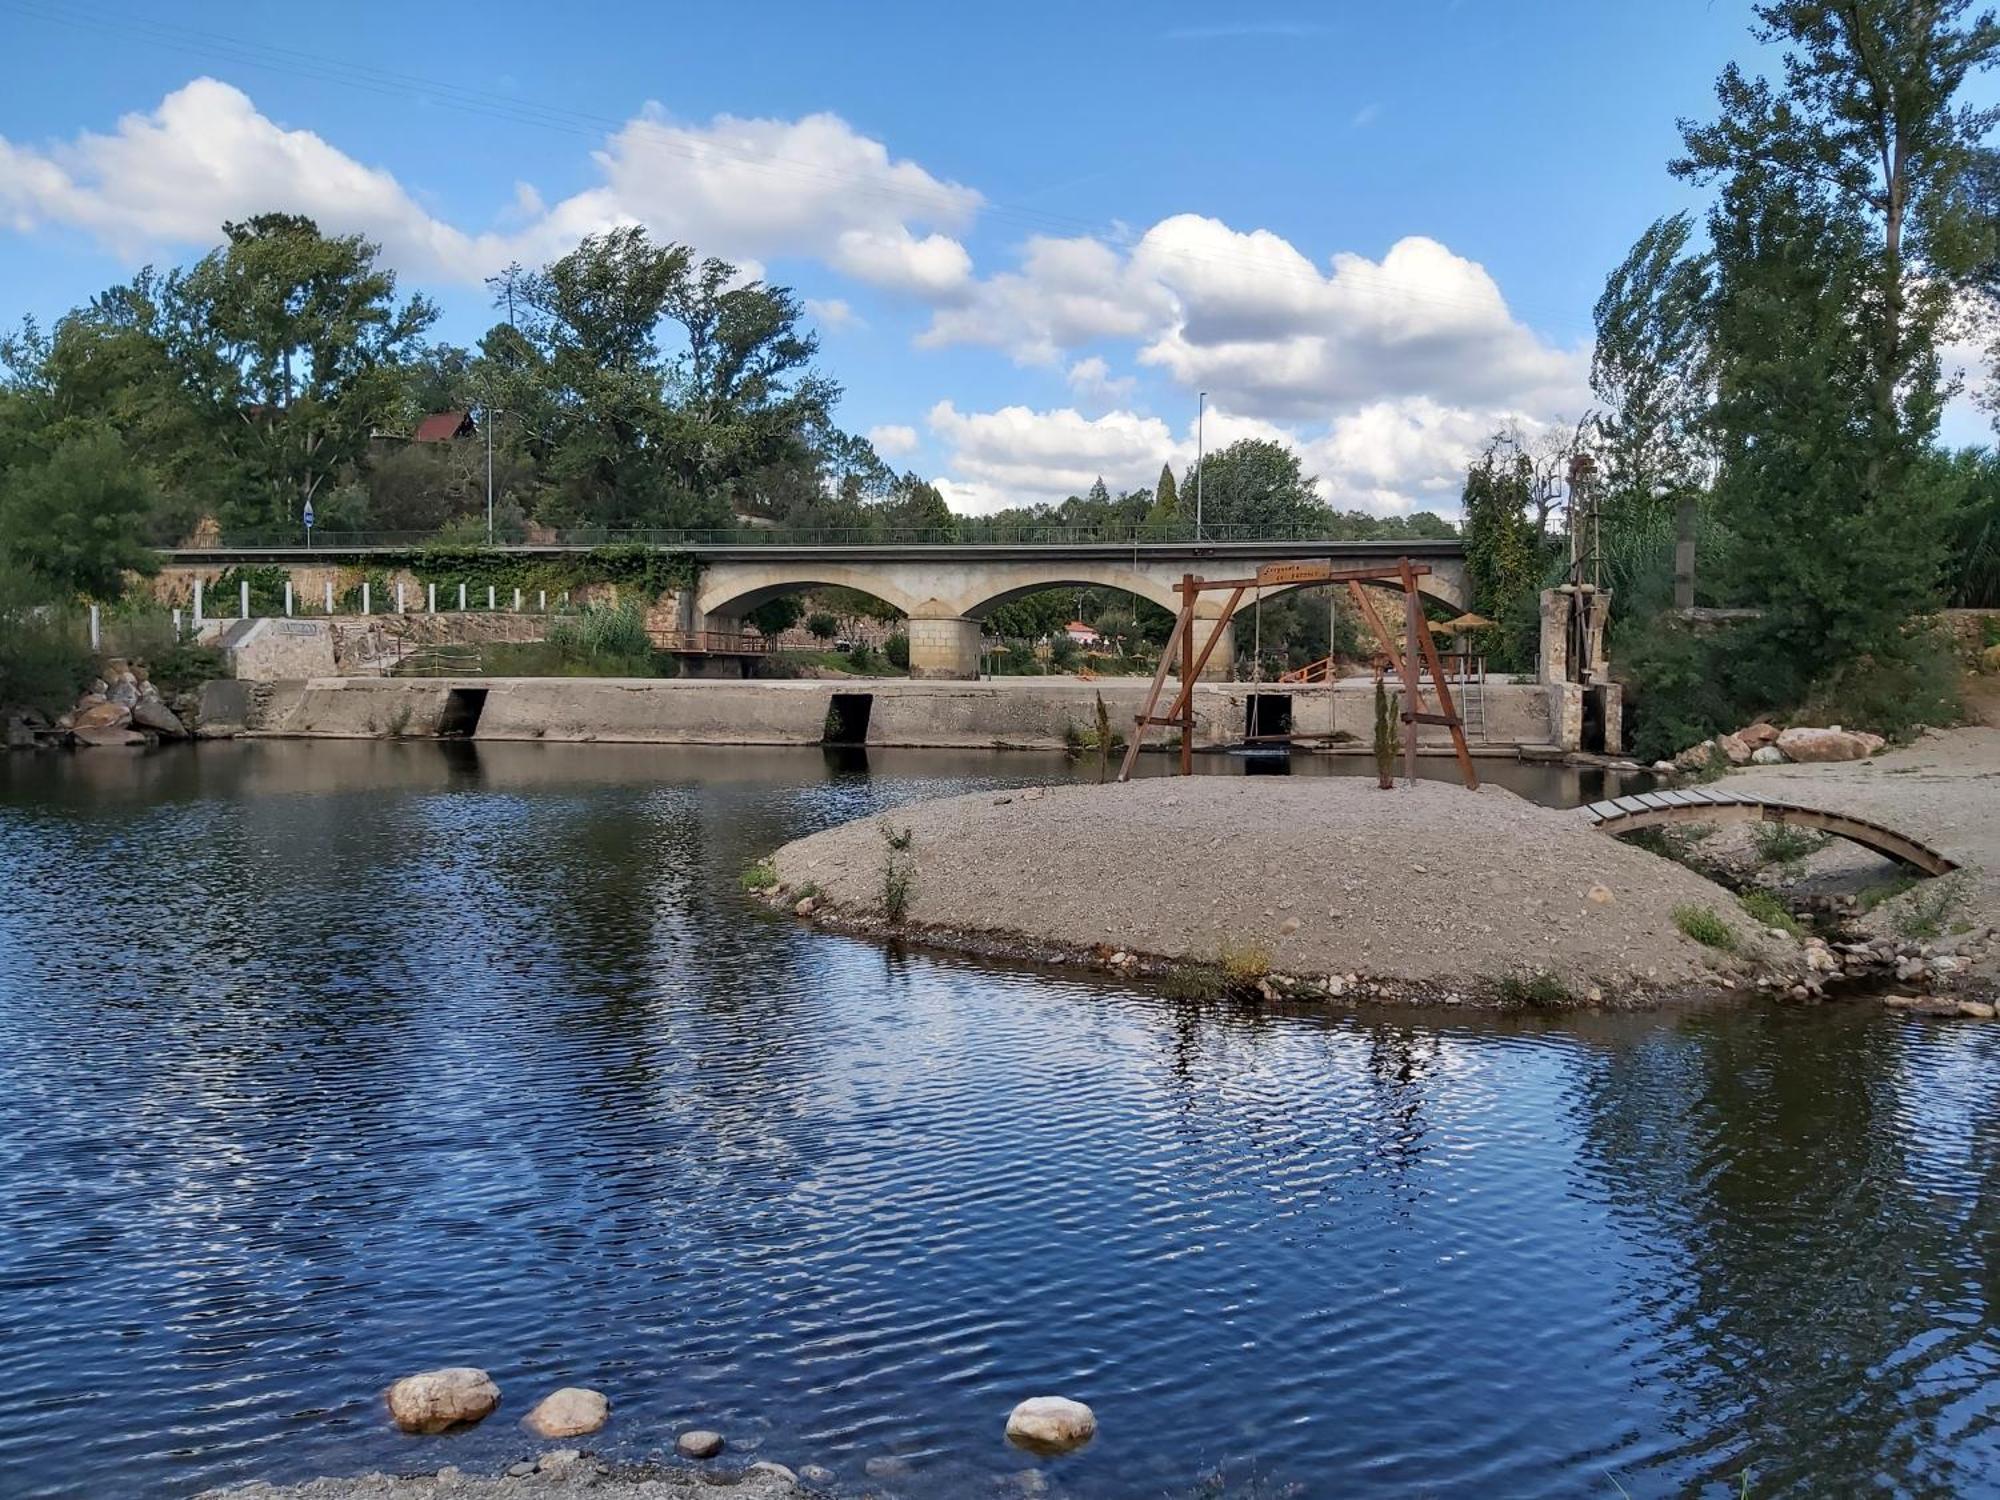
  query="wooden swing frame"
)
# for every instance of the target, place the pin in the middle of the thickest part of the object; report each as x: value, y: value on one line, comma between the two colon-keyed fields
x: 1419, y: 652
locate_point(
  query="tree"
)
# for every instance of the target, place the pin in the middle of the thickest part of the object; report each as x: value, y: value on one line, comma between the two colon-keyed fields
x: 1256, y: 486
x: 292, y: 340
x: 775, y: 616
x: 915, y: 505
x: 1842, y: 235
x: 76, y: 520
x: 1506, y: 554
x: 1166, y: 499
x: 1652, y: 368
x: 822, y: 626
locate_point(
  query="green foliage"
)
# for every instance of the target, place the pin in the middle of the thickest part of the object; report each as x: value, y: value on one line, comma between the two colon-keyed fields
x: 1910, y: 680
x: 1242, y: 962
x: 861, y: 657
x: 76, y: 520
x: 1065, y: 654
x: 899, y: 872
x: 605, y: 635
x: 775, y: 616
x: 1705, y: 927
x: 759, y: 876
x: 1766, y: 910
x: 1507, y: 559
x: 1538, y: 987
x: 822, y: 626
x: 184, y: 666
x: 1889, y: 890
x: 645, y: 571
x: 222, y: 596
x: 1932, y: 906
x: 1252, y: 485
x: 44, y: 652
x: 897, y: 651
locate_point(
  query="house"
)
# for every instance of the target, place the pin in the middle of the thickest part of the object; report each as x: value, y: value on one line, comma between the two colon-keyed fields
x: 1081, y: 633
x: 445, y: 427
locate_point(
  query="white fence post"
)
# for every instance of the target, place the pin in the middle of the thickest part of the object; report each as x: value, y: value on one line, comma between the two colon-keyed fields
x: 288, y: 598
x: 461, y: 597
x: 329, y: 596
x: 489, y: 597
x: 243, y: 597
x: 431, y: 597
x: 177, y: 622
x: 197, y: 604
x: 541, y: 601
x: 517, y: 601
x: 364, y: 596
x: 96, y: 628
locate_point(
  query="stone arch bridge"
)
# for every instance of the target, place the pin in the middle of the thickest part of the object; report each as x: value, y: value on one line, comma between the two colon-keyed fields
x: 946, y: 588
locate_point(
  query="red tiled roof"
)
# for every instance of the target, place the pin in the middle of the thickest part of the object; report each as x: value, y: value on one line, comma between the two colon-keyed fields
x: 440, y: 427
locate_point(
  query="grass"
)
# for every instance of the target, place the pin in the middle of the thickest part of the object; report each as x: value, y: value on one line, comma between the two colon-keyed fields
x: 1784, y: 846
x: 1888, y: 890
x: 1705, y: 927
x: 1766, y: 910
x: 1537, y: 988
x: 760, y: 876
x: 1196, y: 981
x: 899, y: 874
x: 1674, y: 843
x: 1931, y: 908
x: 1243, y: 963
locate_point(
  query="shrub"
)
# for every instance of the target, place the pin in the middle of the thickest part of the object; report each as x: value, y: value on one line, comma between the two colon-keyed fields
x: 1243, y: 963
x: 44, y: 655
x: 1784, y: 846
x: 861, y: 658
x: 760, y: 876
x: 1538, y: 988
x: 897, y: 649
x: 899, y: 873
x: 605, y: 634
x: 1891, y: 692
x: 822, y: 626
x: 1931, y: 907
x: 1766, y: 910
x: 1705, y: 927
x: 184, y: 666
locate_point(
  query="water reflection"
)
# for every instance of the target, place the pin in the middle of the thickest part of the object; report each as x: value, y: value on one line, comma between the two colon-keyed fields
x: 327, y: 1062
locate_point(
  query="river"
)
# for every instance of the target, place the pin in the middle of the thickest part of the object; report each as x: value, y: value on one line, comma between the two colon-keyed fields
x: 323, y: 1062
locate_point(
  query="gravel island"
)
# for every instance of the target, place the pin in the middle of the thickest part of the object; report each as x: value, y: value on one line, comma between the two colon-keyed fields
x: 1425, y: 892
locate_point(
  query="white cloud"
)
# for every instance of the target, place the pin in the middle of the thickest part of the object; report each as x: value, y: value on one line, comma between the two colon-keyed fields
x: 893, y: 439
x: 747, y: 189
x: 1249, y: 318
x: 1092, y: 378
x: 832, y: 313
x: 1021, y: 456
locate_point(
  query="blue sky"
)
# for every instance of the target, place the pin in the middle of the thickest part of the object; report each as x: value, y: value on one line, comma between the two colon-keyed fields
x: 1029, y: 234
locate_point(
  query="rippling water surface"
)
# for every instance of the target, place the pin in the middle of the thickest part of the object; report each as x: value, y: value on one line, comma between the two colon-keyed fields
x: 321, y: 1063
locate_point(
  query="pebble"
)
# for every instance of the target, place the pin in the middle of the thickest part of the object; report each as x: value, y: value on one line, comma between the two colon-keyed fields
x: 699, y: 1443
x: 776, y: 1470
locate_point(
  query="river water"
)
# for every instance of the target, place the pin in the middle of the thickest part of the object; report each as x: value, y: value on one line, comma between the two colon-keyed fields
x: 322, y: 1063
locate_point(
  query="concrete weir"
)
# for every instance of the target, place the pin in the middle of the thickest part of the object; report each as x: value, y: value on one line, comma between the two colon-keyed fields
x: 1008, y: 712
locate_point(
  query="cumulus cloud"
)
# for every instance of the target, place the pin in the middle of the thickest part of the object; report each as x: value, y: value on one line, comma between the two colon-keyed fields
x: 832, y: 313
x: 1016, y: 455
x: 1248, y: 317
x: 893, y: 440
x: 748, y: 189
x: 1092, y: 378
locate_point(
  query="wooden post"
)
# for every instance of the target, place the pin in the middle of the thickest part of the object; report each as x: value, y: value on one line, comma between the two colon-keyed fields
x: 1187, y: 676
x: 1413, y: 621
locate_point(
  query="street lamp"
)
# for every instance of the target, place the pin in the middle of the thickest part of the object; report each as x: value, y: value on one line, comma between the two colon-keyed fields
x: 1200, y: 431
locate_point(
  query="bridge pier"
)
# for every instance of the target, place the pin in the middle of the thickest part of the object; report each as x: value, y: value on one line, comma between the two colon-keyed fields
x: 944, y: 647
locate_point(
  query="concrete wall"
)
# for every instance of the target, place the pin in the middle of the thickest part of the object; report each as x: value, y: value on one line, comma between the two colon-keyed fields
x: 1027, y: 713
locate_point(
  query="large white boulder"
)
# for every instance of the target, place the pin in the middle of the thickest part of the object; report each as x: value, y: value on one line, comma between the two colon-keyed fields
x: 569, y: 1412
x: 1827, y: 744
x: 1051, y: 1424
x: 436, y: 1400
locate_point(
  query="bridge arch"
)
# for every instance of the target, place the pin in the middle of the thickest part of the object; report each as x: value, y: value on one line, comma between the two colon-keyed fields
x: 1704, y: 805
x: 1005, y: 585
x: 731, y: 592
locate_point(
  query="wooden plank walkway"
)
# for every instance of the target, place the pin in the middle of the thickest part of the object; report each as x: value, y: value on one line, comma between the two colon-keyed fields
x: 1712, y: 805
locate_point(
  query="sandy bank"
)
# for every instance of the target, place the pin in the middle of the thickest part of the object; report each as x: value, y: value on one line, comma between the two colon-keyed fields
x: 1427, y: 892
x: 571, y: 1474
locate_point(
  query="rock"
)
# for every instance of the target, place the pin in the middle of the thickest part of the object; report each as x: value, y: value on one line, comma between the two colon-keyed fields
x: 699, y: 1443
x: 1903, y: 1002
x: 1767, y: 755
x: 1832, y: 744
x: 124, y: 690
x: 1989, y: 660
x: 1051, y: 1424
x: 558, y: 1461
x: 1975, y: 1010
x: 887, y: 1466
x: 105, y: 715
x: 1663, y: 768
x: 1933, y: 1005
x: 1756, y: 736
x: 1289, y: 926
x: 521, y: 1470
x: 108, y: 737
x: 569, y: 1412
x: 1733, y: 749
x: 1695, y: 756
x: 434, y: 1400
x: 1600, y: 895
x: 776, y: 1471
x: 817, y: 1475
x: 806, y: 907
x: 151, y: 713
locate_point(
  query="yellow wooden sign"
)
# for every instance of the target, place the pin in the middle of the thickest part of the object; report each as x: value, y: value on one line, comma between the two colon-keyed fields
x: 1273, y: 574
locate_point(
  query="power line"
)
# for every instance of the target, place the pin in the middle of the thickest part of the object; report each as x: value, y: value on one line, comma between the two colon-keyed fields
x: 935, y: 207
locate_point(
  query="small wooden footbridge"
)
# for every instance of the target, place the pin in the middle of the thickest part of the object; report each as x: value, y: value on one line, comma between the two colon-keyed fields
x: 1707, y: 805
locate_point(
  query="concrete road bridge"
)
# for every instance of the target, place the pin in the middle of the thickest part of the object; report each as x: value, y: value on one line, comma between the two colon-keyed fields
x: 945, y: 588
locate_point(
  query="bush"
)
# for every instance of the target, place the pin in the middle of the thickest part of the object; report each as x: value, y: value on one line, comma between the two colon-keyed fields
x: 1893, y: 692
x: 861, y: 658
x: 1766, y: 910
x: 1538, y: 988
x: 1705, y: 927
x: 184, y: 666
x: 1781, y: 845
x: 897, y: 650
x: 44, y: 653
x: 822, y: 626
x: 604, y: 632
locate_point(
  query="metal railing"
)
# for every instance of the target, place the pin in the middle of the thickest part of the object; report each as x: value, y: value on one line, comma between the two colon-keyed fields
x: 968, y: 531
x: 711, y: 642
